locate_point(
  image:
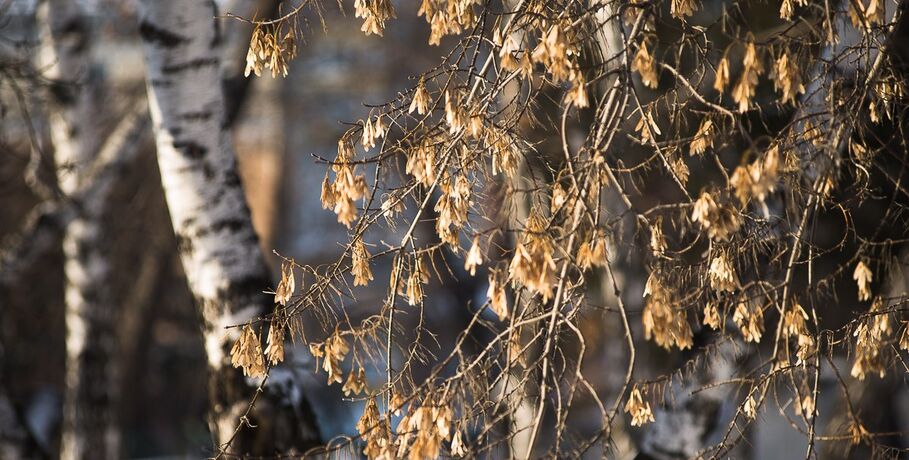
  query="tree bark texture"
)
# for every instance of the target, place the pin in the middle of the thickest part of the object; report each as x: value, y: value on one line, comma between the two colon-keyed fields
x: 217, y: 244
x: 90, y: 428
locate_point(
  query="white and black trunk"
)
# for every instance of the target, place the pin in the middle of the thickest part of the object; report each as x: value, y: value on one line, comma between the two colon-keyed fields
x: 90, y: 429
x: 218, y: 246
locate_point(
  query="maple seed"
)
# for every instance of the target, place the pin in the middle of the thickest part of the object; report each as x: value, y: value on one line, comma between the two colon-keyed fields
x: 638, y: 408
x: 247, y: 353
x: 474, y: 258
x: 863, y: 276
x: 275, y: 349
x: 360, y: 264
x: 287, y: 285
x: 498, y: 303
x: 645, y: 65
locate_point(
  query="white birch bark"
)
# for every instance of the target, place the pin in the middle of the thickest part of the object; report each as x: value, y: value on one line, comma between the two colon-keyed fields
x: 90, y: 429
x: 218, y: 246
x: 693, y: 419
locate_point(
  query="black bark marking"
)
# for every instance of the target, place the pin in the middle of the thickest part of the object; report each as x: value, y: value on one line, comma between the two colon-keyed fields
x: 208, y: 171
x: 216, y: 39
x: 190, y: 65
x: 191, y: 149
x: 161, y: 37
x: 64, y: 93
x: 202, y: 115
x: 75, y: 32
x: 184, y: 243
x: 231, y: 224
x: 161, y: 83
x: 248, y: 290
x: 232, y: 179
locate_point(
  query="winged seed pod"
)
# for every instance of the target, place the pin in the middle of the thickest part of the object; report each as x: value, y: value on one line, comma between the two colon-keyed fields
x: 665, y: 324
x: 681, y: 8
x: 247, y: 353
x: 274, y: 351
x: 862, y: 276
x: 645, y: 65
x: 374, y: 14
x: 420, y: 101
x: 752, y: 69
x: 359, y: 261
x: 638, y: 408
x: 703, y: 138
x: 722, y: 274
x: 750, y: 320
x: 287, y: 285
x: 474, y: 257
x: 498, y: 303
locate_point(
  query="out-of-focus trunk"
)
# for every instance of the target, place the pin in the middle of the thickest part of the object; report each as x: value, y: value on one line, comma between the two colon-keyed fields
x: 218, y: 246
x: 90, y: 429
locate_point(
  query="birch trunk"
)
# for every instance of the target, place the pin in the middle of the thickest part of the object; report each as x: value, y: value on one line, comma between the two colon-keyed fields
x: 89, y: 422
x: 217, y: 244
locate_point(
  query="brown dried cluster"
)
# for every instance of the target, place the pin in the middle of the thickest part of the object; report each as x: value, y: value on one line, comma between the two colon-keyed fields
x: 533, y: 265
x: 247, y: 353
x: 348, y: 187
x: 638, y: 408
x: 752, y: 69
x: 271, y: 47
x: 374, y: 14
x: 664, y: 323
x: 720, y: 221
